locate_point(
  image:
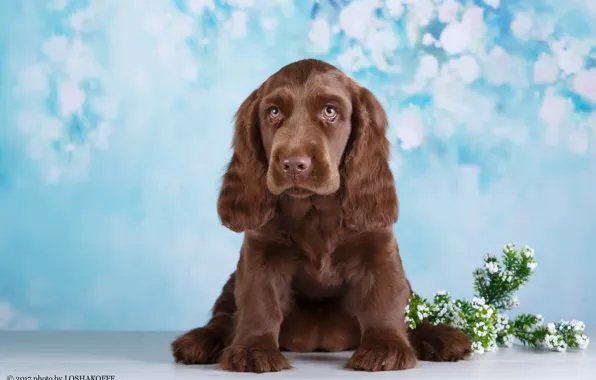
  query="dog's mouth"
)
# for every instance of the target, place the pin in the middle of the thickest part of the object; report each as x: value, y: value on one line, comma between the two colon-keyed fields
x: 298, y: 192
x: 301, y: 187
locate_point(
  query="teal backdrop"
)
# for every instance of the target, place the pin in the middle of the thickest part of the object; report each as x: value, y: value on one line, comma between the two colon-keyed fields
x: 116, y: 123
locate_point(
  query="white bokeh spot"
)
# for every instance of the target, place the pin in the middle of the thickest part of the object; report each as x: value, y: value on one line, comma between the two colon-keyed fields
x: 409, y: 129
x: 584, y: 83
x: 71, y: 98
x: 554, y: 108
x: 546, y: 69
x: 320, y: 35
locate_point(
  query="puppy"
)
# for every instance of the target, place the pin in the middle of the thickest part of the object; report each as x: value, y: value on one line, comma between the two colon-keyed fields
x: 310, y: 186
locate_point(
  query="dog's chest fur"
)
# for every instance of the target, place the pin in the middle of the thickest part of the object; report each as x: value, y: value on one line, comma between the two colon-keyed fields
x: 313, y: 227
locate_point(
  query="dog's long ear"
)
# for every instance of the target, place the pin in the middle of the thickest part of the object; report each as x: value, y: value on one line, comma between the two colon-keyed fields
x: 369, y: 194
x: 244, y: 201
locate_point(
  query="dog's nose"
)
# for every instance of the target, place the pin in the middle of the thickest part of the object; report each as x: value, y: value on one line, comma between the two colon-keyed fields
x: 296, y: 165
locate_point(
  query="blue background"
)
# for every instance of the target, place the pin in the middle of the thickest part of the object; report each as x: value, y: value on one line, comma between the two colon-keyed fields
x: 116, y: 122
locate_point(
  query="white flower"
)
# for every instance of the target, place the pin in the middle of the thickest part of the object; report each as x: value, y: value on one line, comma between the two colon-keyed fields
x: 555, y: 343
x: 562, y: 346
x: 551, y: 328
x: 458, y: 322
x: 480, y: 275
x: 508, y: 247
x: 442, y: 292
x: 492, y: 346
x: 508, y: 340
x: 491, y: 267
x: 478, y: 303
x: 532, y: 266
x: 502, y: 322
x: 582, y: 341
x: 577, y: 325
x: 551, y: 340
x: 527, y: 252
x: 514, y: 301
x: 511, y: 302
x: 477, y: 348
x: 489, y: 312
x: 489, y: 257
x: 539, y: 318
x: 506, y: 275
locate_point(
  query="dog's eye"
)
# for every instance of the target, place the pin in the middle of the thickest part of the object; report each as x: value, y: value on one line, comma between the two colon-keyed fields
x: 330, y: 112
x: 274, y: 113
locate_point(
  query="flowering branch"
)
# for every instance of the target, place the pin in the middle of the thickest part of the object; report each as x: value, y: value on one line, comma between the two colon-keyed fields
x: 497, y: 282
x: 483, y: 319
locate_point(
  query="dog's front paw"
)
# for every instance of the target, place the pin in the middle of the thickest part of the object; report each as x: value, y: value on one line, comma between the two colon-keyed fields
x: 247, y: 359
x: 198, y: 346
x: 390, y: 357
x: 440, y: 343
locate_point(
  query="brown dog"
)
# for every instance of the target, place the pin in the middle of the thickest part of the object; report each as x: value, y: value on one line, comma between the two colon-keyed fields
x: 309, y: 184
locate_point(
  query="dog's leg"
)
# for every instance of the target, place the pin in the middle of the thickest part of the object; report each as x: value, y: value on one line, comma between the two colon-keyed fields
x: 262, y: 298
x: 378, y: 297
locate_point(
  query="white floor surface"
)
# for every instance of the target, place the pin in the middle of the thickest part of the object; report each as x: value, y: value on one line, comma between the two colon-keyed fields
x: 146, y: 355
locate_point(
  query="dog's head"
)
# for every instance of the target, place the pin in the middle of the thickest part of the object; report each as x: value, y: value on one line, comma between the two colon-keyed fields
x: 309, y: 130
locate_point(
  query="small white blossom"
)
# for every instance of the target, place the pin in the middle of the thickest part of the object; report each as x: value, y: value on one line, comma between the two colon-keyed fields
x: 562, y: 347
x: 502, y: 323
x: 477, y: 348
x: 491, y: 267
x: 577, y: 325
x: 532, y: 266
x: 550, y: 340
x: 489, y: 257
x: 478, y: 301
x: 555, y: 343
x: 527, y: 252
x: 582, y: 341
x: 551, y: 328
x: 489, y: 312
x: 508, y: 247
x: 506, y: 275
x: 492, y: 346
x: 508, y: 340
x: 514, y: 301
